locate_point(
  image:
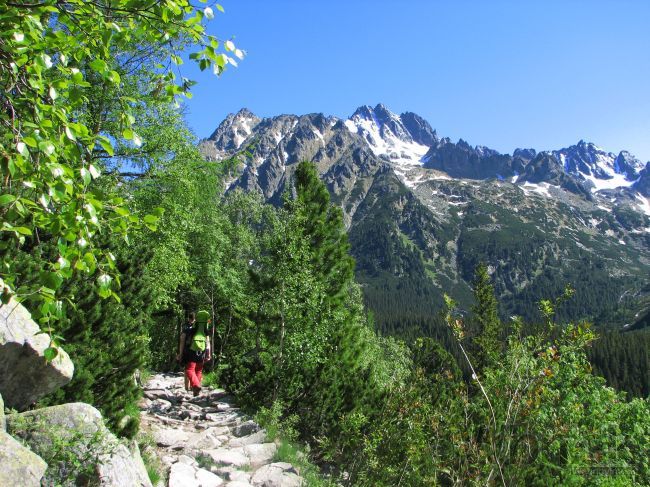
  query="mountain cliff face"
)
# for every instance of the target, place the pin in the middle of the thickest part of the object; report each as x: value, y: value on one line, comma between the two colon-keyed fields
x: 422, y: 211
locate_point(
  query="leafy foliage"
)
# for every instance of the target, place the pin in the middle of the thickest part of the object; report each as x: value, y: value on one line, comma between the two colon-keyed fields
x: 68, y: 101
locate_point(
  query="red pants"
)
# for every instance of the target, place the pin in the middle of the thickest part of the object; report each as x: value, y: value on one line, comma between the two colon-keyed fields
x: 193, y: 371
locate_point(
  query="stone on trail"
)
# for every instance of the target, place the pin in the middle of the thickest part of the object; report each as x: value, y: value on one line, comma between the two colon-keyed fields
x: 205, y: 440
x: 19, y: 465
x: 275, y: 475
x: 224, y: 456
x: 25, y: 375
x: 240, y: 476
x: 246, y: 428
x: 187, y: 460
x: 182, y: 475
x: 213, y: 427
x: 206, y: 478
x: 258, y: 437
x: 260, y: 453
x: 171, y: 438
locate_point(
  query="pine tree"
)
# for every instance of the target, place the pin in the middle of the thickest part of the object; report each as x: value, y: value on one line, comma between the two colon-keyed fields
x: 486, y: 344
x: 322, y: 224
x: 107, y: 341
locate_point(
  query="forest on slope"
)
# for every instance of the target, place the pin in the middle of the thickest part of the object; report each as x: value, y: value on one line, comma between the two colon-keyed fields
x: 110, y: 263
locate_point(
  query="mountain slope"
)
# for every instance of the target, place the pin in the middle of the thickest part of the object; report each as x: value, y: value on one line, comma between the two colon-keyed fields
x: 422, y: 211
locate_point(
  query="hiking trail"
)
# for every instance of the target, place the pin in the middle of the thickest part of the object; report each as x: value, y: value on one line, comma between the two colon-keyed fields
x: 206, y: 441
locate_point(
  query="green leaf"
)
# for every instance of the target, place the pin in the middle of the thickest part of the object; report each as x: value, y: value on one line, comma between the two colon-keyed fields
x: 23, y: 230
x: 50, y: 353
x: 51, y: 280
x: 98, y: 65
x: 70, y: 134
x: 106, y: 145
x: 127, y: 134
x: 5, y: 199
x: 114, y: 77
x: 47, y: 147
x: 30, y: 141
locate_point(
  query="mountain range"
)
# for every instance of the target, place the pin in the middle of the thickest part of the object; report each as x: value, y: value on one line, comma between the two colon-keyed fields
x: 423, y: 211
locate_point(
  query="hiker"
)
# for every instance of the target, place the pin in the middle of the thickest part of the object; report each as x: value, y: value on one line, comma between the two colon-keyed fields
x: 190, y: 323
x: 194, y: 350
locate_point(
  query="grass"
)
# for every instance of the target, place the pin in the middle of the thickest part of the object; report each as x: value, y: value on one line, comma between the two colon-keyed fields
x: 153, y: 464
x: 295, y: 455
x: 283, y: 432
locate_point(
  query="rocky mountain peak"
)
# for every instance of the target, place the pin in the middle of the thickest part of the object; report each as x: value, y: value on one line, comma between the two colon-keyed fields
x: 402, y: 140
x: 419, y: 128
x: 235, y: 128
x: 596, y: 168
x: 526, y: 154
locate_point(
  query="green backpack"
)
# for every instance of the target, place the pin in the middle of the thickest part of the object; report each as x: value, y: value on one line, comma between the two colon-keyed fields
x: 199, y: 339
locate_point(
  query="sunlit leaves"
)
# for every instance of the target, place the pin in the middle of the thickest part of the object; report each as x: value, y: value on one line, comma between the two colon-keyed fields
x: 53, y: 140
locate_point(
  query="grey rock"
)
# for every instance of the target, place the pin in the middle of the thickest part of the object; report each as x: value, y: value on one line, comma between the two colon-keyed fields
x: 123, y: 467
x: 206, y: 440
x: 245, y: 429
x: 160, y: 405
x: 240, y: 476
x: 25, y: 375
x: 260, y: 453
x: 187, y: 460
x: 238, y: 483
x: 170, y: 438
x: 19, y: 465
x: 182, y: 475
x: 235, y: 457
x: 206, y: 478
x: 82, y: 426
x: 275, y: 476
x: 258, y: 437
x: 164, y: 394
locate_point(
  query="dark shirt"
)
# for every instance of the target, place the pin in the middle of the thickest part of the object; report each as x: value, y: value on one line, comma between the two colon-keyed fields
x: 188, y: 354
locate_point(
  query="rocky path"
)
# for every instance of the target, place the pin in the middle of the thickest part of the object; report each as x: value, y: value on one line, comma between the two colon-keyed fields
x: 206, y: 441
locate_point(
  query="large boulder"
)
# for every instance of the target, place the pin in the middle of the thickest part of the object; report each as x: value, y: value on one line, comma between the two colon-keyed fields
x: 25, y: 375
x: 79, y: 448
x: 19, y: 465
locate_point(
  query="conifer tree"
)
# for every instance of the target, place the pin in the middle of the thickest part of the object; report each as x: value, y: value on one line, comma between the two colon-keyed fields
x: 323, y: 226
x: 486, y: 344
x: 108, y: 343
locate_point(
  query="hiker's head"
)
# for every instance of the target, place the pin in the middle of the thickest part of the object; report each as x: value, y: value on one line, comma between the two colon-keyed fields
x: 192, y: 317
x: 202, y: 317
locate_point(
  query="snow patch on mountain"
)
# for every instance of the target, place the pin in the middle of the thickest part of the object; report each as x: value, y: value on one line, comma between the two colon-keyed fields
x: 601, y: 170
x: 644, y: 204
x: 390, y: 139
x: 539, y: 188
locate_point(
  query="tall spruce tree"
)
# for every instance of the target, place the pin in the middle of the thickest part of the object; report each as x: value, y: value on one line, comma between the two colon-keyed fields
x: 486, y: 344
x: 323, y: 226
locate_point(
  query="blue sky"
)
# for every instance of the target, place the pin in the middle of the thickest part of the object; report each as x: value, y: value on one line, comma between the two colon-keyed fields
x: 504, y: 74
